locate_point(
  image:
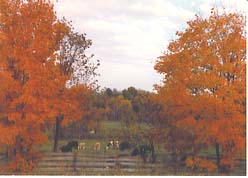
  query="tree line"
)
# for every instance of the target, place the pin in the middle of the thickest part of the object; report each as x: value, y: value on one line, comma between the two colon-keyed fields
x: 130, y: 107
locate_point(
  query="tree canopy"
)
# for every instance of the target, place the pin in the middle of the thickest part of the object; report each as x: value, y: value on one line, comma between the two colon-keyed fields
x: 203, y: 91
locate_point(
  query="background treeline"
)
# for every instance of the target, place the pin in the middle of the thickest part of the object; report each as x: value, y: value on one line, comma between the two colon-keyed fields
x: 130, y: 111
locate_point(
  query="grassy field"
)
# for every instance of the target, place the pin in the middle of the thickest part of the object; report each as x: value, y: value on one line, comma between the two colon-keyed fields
x: 111, y: 131
x: 108, y: 125
x: 164, y: 165
x: 117, y: 125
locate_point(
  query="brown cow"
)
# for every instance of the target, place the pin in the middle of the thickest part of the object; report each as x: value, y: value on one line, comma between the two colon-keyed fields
x: 97, y: 146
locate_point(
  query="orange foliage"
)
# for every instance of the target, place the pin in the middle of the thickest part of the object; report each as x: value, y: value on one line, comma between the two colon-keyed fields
x: 30, y: 80
x: 203, y: 91
x: 201, y: 164
x: 75, y: 99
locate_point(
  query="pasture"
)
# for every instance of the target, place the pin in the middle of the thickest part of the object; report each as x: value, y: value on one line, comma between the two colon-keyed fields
x: 113, y: 161
x: 116, y: 162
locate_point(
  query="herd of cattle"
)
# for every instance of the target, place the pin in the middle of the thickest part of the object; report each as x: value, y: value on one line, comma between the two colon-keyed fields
x: 113, y: 144
x: 146, y: 151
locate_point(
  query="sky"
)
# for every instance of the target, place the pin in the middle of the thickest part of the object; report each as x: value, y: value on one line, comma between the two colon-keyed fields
x: 129, y: 35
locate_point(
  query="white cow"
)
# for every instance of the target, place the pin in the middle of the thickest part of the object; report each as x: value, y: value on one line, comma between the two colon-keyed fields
x: 81, y: 146
x: 92, y: 132
x: 113, y: 144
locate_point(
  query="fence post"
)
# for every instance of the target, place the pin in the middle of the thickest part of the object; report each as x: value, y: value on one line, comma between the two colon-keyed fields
x: 74, y: 162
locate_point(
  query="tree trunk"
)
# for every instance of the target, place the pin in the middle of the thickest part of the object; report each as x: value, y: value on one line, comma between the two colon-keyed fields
x: 57, y: 130
x: 217, y: 149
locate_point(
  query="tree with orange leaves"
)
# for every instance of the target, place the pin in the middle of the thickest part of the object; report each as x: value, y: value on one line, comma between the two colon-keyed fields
x: 30, y: 35
x: 46, y: 75
x: 203, y: 91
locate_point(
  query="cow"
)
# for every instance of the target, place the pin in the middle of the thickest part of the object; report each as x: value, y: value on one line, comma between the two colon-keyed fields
x: 124, y: 145
x: 66, y: 148
x: 73, y: 144
x: 70, y: 145
x: 110, y: 145
x: 92, y: 132
x: 81, y: 146
x: 116, y: 144
x: 113, y: 144
x: 97, y: 146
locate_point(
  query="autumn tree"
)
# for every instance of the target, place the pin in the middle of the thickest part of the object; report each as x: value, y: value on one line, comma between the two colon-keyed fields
x: 120, y: 109
x: 80, y: 70
x: 30, y: 35
x: 94, y: 114
x: 142, y: 105
x: 80, y: 98
x: 203, y: 91
x: 129, y: 93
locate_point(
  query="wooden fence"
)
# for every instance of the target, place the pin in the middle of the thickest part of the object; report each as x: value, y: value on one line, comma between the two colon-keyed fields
x: 112, y: 164
x: 93, y: 164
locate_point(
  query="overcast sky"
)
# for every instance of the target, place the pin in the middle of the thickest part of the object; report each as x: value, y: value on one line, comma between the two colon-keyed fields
x: 128, y: 35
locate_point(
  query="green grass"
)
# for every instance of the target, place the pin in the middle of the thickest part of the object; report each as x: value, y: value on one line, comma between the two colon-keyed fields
x: 108, y: 125
x: 111, y: 130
